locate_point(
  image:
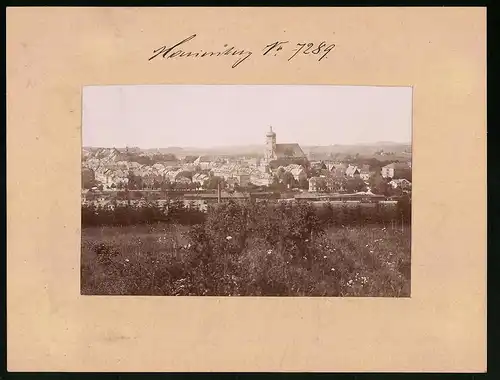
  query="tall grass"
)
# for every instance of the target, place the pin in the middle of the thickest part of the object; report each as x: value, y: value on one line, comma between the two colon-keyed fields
x: 251, y: 249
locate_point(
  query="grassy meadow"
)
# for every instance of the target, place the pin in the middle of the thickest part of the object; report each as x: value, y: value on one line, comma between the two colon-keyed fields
x: 172, y: 259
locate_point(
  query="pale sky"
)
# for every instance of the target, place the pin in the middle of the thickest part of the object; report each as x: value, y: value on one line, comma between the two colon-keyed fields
x: 161, y: 116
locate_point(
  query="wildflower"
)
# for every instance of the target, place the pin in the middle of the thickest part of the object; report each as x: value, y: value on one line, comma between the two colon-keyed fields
x: 229, y: 238
x: 269, y: 251
x: 371, y: 251
x: 127, y: 260
x: 366, y: 245
x: 324, y: 257
x: 333, y: 269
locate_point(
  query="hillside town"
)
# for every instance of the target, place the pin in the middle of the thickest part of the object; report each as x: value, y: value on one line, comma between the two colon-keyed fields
x: 281, y: 168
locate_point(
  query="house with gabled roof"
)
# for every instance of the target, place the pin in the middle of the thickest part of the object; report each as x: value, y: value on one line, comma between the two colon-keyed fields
x: 352, y: 171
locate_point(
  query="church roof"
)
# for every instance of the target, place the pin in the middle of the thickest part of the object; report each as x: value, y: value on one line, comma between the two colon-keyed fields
x: 289, y: 150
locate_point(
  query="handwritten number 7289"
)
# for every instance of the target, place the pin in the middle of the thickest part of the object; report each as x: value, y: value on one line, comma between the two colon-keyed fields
x: 305, y: 48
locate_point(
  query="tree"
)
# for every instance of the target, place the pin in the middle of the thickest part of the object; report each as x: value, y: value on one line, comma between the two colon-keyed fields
x: 190, y: 159
x: 159, y: 157
x: 288, y: 180
x: 280, y: 173
x: 403, y: 174
x: 277, y: 185
x: 213, y: 182
x: 321, y: 186
x: 395, y: 191
x: 354, y: 185
x: 88, y: 178
x: 404, y: 208
x: 303, y: 183
x: 379, y: 185
x: 134, y: 181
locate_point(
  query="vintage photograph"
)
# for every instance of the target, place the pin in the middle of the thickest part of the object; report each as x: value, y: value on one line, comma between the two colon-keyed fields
x: 246, y: 190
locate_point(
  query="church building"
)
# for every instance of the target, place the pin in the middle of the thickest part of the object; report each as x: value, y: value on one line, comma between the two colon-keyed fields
x: 282, y: 154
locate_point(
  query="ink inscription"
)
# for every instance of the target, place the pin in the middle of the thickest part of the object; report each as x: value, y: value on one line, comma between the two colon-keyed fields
x: 277, y: 48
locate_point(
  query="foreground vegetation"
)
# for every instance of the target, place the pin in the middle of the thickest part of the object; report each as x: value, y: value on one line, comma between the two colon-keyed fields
x: 250, y: 250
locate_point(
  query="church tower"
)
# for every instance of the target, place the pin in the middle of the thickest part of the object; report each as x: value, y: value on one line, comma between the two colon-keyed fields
x: 270, y: 153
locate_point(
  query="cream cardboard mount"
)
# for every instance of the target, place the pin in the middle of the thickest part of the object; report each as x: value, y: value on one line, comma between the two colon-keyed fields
x: 53, y: 53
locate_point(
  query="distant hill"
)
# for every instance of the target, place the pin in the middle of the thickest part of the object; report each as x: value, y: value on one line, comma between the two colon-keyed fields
x: 172, y: 149
x: 361, y: 149
x: 369, y: 149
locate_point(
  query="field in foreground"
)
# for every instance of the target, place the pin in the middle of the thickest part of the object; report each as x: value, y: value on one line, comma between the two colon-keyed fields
x: 165, y: 259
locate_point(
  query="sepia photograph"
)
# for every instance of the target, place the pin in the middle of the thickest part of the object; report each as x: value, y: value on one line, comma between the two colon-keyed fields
x: 246, y: 190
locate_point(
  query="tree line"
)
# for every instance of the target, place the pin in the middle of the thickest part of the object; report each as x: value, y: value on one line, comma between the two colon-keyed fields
x: 176, y: 211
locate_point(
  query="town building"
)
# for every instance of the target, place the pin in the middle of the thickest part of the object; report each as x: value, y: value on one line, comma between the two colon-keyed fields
x: 395, y: 169
x: 352, y: 171
x: 298, y: 171
x: 281, y: 154
x: 321, y: 184
x: 365, y: 173
x: 207, y: 162
x: 402, y: 183
x: 337, y: 169
x: 200, y: 178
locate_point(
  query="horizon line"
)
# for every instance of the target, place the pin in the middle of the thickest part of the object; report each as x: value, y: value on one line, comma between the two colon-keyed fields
x: 249, y: 145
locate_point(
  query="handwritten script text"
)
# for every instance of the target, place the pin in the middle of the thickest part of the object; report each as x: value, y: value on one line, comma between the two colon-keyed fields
x: 276, y: 48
